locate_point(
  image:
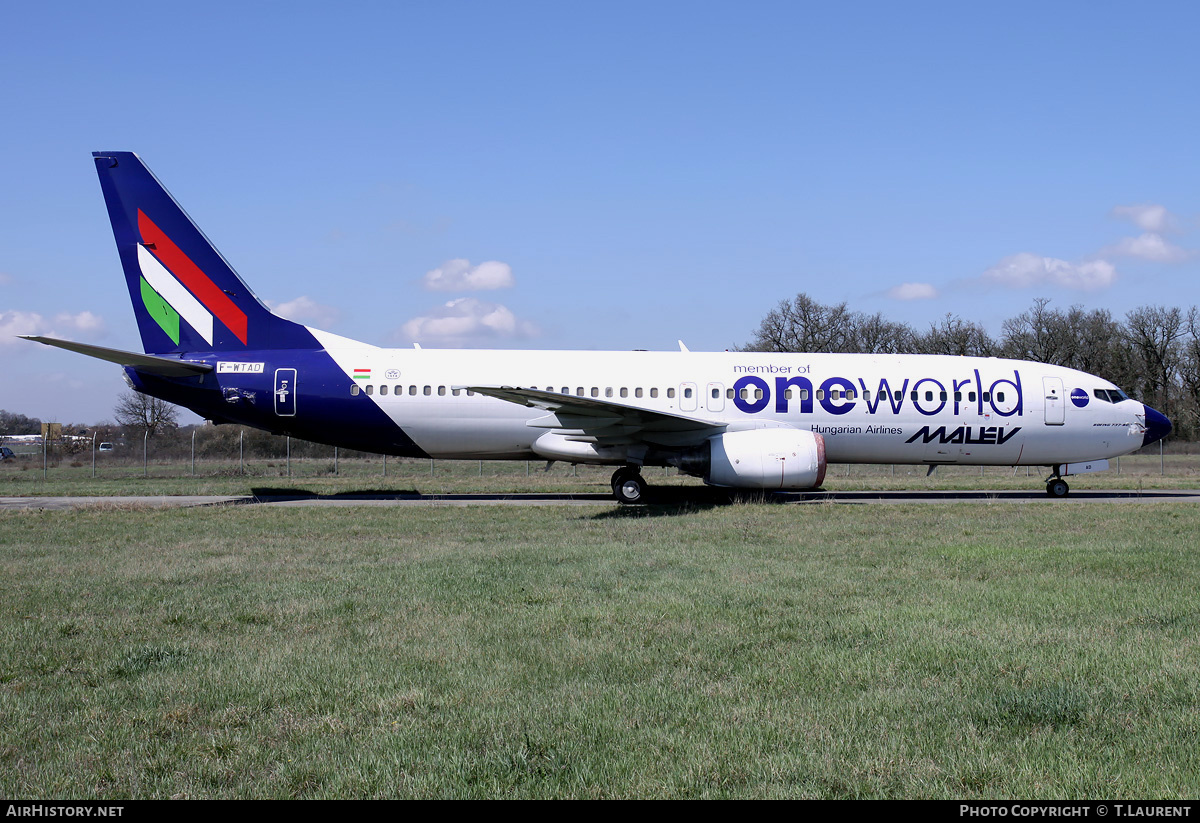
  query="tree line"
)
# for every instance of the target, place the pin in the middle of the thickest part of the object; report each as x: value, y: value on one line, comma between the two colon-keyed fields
x: 1153, y: 353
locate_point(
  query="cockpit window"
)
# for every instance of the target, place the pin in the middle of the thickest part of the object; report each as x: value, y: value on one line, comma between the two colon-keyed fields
x: 1110, y: 395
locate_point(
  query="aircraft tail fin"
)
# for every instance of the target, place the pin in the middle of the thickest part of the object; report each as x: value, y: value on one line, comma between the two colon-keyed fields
x: 185, y: 296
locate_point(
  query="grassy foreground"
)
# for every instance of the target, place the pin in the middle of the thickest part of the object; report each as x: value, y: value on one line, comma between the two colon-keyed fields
x: 744, y: 650
x: 117, y: 477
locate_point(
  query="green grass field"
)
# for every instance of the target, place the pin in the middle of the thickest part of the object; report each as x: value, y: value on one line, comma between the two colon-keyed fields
x: 963, y: 651
x: 115, y: 477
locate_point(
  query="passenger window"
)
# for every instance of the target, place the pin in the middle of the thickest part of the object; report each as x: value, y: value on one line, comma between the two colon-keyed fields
x: 957, y: 396
x: 624, y: 392
x: 383, y: 391
x: 897, y: 396
x: 354, y: 390
x: 687, y: 393
x: 942, y: 396
x: 412, y: 391
x: 820, y: 394
x: 455, y: 392
x: 441, y: 391
x: 987, y: 397
x: 670, y: 392
x: 729, y: 394
x: 428, y: 390
x: 971, y: 397
x: 637, y: 392
x: 608, y: 392
x: 716, y: 394
x: 579, y: 391
x: 370, y: 389
x: 595, y: 392
x: 929, y: 395
x: 654, y: 392
x: 999, y: 397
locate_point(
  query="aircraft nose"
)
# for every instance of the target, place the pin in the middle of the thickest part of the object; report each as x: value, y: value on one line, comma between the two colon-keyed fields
x: 1157, y: 426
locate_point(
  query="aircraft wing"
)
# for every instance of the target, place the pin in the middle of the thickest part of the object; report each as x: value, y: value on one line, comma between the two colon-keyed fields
x: 603, y: 421
x: 148, y: 363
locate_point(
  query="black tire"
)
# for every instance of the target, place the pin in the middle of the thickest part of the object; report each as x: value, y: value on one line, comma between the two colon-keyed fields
x: 628, y: 486
x: 1057, y: 487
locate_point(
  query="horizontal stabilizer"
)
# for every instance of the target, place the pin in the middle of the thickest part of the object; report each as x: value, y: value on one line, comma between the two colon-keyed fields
x: 147, y: 363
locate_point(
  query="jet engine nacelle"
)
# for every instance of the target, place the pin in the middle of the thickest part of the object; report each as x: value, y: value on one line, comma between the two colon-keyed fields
x: 774, y: 458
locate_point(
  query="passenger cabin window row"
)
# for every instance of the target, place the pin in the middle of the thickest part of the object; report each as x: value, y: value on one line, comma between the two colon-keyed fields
x: 441, y: 391
x: 793, y: 393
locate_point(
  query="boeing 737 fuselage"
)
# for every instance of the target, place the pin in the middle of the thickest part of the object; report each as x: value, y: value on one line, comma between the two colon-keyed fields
x: 736, y: 419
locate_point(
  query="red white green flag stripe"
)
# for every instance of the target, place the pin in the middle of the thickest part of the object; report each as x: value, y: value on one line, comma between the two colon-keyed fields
x: 181, y: 288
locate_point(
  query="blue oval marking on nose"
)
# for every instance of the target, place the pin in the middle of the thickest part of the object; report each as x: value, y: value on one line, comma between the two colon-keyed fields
x: 1079, y: 397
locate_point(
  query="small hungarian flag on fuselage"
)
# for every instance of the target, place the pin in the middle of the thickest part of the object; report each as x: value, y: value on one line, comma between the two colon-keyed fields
x: 362, y: 374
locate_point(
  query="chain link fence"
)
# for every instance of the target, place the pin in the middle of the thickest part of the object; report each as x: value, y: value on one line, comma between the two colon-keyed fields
x: 231, y: 451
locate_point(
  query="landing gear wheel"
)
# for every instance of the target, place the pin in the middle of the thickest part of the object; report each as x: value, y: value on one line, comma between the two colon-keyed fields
x: 1057, y: 487
x: 628, y: 486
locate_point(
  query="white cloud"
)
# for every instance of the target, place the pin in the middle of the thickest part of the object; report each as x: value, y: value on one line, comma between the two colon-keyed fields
x: 913, y: 291
x: 306, y: 310
x: 13, y: 323
x: 1148, y: 246
x: 460, y: 275
x: 1025, y: 269
x: 1149, y: 217
x: 467, y: 319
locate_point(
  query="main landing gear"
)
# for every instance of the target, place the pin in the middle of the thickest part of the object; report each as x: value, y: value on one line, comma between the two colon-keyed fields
x: 628, y: 485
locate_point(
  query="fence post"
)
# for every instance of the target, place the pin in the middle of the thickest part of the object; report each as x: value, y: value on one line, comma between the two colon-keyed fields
x: 385, y: 465
x: 193, y: 452
x: 241, y: 451
x: 335, y: 461
x: 289, y: 455
x: 93, y: 455
x: 1162, y: 468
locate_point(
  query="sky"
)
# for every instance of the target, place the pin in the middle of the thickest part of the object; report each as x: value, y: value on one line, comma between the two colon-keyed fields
x: 617, y: 175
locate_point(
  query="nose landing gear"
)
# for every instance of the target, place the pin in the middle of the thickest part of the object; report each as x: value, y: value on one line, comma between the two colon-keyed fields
x: 1057, y: 487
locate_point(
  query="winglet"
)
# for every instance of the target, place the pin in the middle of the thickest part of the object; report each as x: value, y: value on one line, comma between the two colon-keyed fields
x: 683, y: 348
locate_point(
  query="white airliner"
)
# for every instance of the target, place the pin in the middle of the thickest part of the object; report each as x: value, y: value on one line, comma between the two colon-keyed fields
x: 735, y: 419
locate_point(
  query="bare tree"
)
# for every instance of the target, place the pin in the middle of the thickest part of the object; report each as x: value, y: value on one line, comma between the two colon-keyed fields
x: 145, y: 414
x: 805, y: 325
x: 1154, y: 334
x: 953, y: 335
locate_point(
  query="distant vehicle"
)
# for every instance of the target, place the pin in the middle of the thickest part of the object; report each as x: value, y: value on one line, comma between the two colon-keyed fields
x: 6, y: 453
x: 106, y: 447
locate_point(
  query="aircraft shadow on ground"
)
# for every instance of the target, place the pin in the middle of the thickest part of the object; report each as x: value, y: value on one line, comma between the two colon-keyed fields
x: 292, y: 493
